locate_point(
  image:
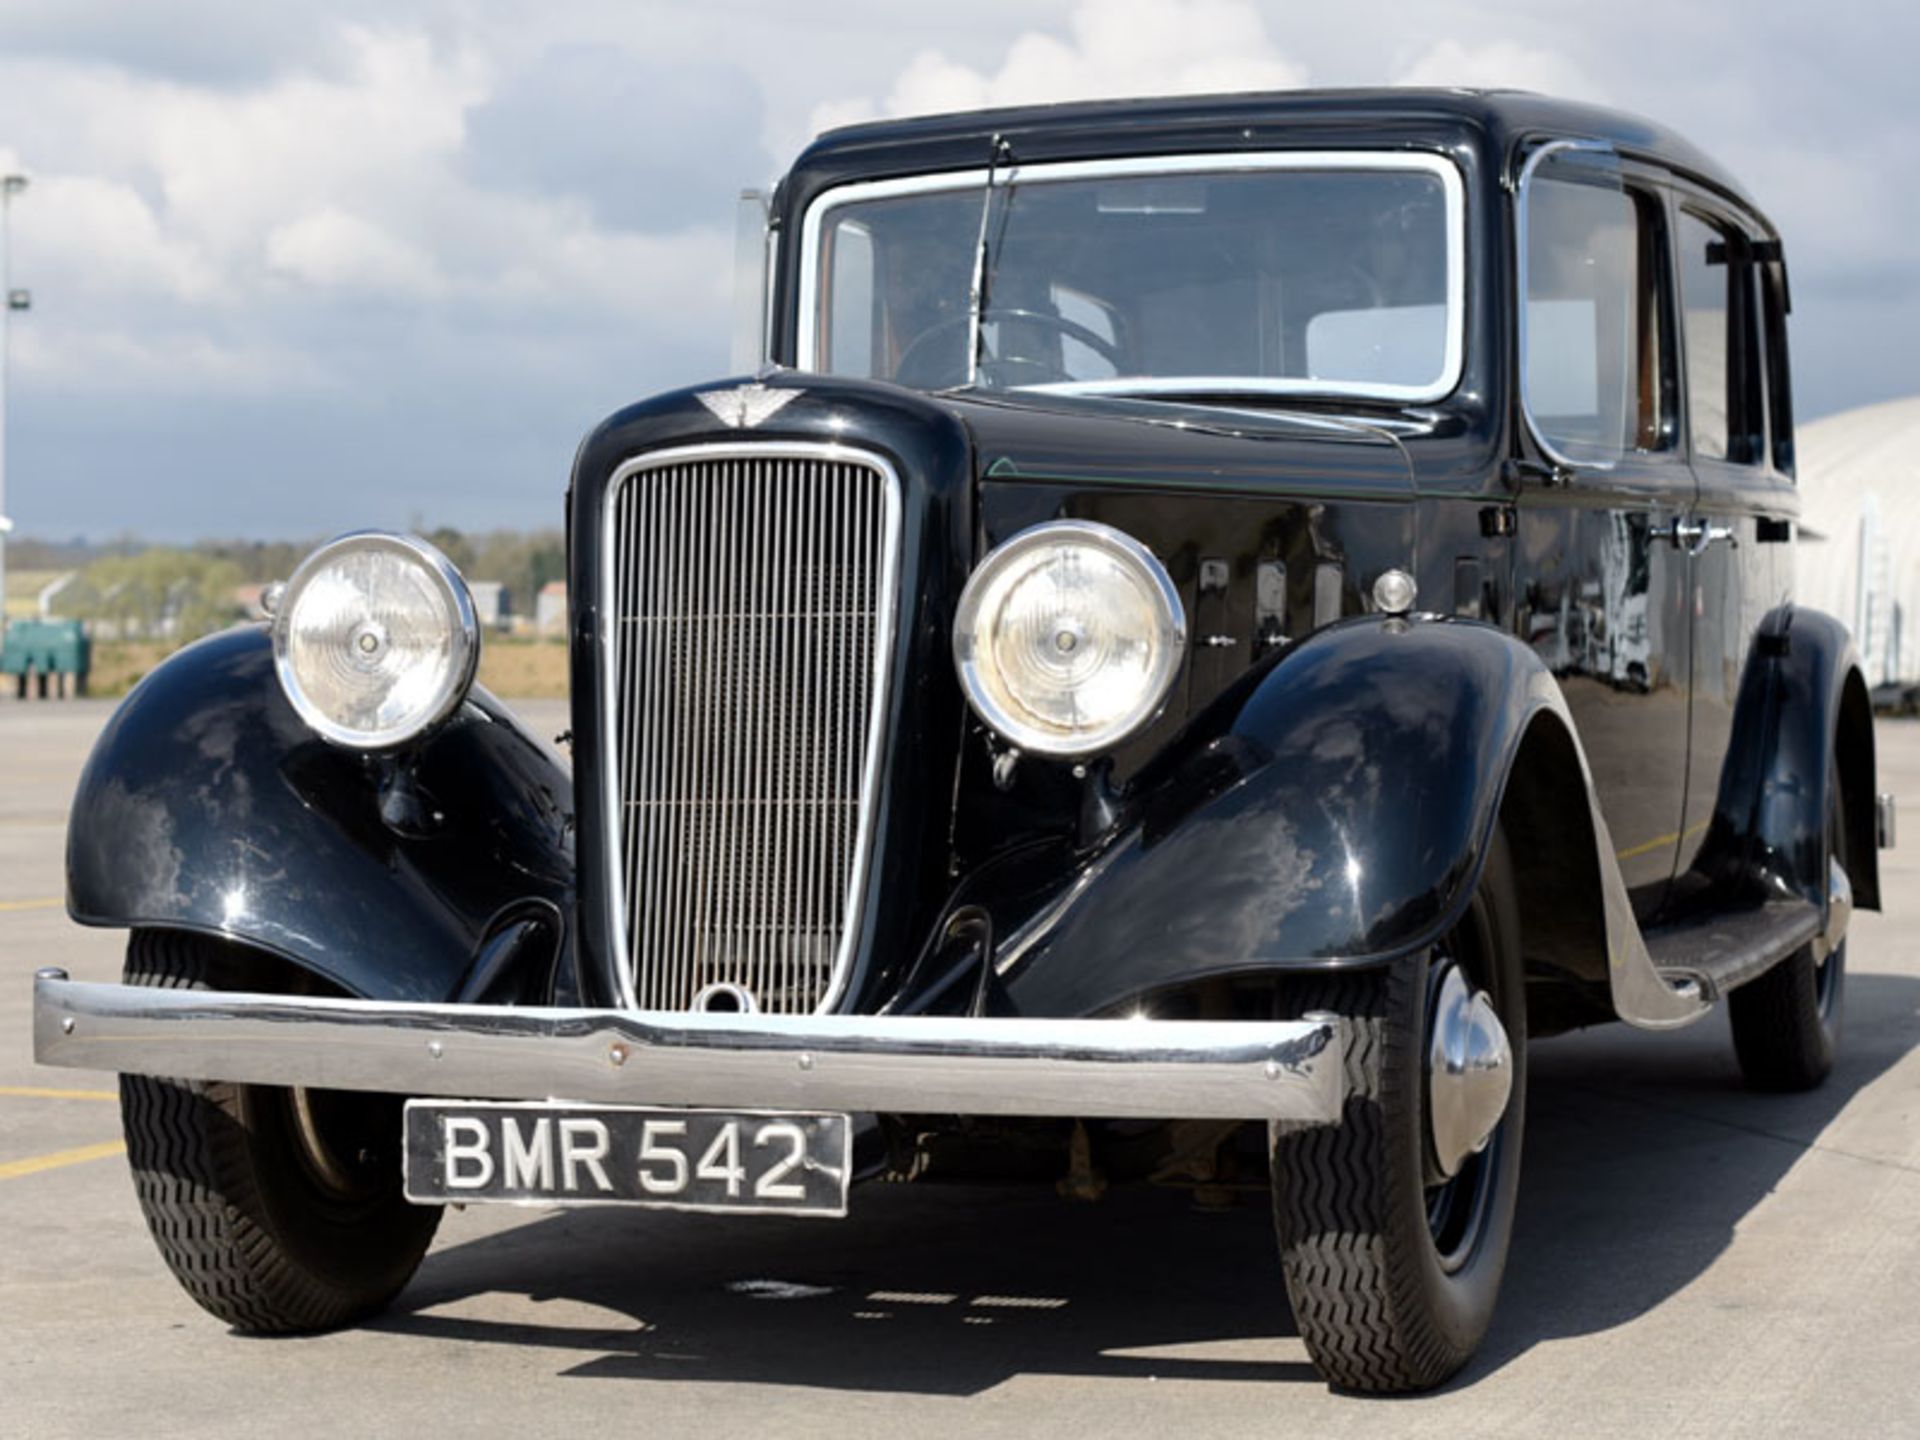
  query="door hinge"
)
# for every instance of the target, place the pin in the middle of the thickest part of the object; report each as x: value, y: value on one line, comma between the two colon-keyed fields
x: 1517, y: 472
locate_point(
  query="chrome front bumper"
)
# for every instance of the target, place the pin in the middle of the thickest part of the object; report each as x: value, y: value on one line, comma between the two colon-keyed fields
x: 1139, y: 1069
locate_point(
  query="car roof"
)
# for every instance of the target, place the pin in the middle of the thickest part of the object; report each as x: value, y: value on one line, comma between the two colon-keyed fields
x: 1506, y: 117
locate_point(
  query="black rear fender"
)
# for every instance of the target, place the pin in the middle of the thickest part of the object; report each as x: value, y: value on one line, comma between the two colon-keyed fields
x: 1802, y: 715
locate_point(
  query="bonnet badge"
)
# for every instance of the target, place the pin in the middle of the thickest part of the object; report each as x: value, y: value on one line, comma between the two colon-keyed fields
x: 746, y: 406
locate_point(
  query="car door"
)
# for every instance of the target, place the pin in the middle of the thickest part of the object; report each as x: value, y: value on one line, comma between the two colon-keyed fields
x: 1740, y: 439
x: 1603, y: 591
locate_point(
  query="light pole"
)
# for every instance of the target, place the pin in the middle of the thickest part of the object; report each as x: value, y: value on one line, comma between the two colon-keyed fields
x: 10, y: 301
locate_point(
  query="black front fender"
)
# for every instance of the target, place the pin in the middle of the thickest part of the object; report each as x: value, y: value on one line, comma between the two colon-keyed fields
x: 430, y: 875
x: 1338, y: 818
x: 1339, y: 815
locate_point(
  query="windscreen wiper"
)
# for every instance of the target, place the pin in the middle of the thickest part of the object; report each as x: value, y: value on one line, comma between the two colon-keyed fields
x: 999, y: 154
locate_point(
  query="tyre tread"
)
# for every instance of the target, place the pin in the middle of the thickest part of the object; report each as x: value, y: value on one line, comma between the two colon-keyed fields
x: 1779, y: 1037
x: 194, y: 1176
x: 1355, y: 1289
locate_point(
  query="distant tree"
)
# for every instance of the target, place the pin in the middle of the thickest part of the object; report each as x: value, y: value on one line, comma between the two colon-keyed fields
x: 548, y: 563
x: 185, y: 592
x: 260, y: 561
x: 454, y: 546
x: 159, y: 593
x: 521, y: 560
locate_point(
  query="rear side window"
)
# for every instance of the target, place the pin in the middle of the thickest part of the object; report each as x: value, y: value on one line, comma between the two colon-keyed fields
x: 1773, y: 307
x: 1735, y: 360
x: 1707, y: 322
x: 1597, y: 372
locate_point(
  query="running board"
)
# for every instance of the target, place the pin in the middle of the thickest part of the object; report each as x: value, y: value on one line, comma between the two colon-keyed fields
x: 1721, y: 951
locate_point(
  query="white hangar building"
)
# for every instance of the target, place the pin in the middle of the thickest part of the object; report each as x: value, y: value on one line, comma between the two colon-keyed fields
x: 1859, y: 553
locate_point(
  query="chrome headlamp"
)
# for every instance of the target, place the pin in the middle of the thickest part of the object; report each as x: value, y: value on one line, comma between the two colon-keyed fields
x: 375, y: 639
x: 1068, y: 637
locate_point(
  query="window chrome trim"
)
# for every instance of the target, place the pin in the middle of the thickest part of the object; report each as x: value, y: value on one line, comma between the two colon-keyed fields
x: 885, y: 627
x: 1453, y: 190
x: 1521, y: 206
x: 752, y: 276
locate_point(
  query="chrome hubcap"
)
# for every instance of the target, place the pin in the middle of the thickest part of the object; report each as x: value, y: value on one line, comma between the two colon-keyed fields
x: 1469, y: 1071
x: 1839, y: 911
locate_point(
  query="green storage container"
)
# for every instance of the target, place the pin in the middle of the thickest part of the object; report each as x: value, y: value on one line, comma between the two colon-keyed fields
x: 46, y: 648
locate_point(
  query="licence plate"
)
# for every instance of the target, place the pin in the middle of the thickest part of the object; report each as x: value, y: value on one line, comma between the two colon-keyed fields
x: 558, y: 1154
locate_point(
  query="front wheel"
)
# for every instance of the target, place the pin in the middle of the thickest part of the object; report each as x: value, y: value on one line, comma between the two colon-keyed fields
x: 1394, y: 1224
x: 278, y: 1210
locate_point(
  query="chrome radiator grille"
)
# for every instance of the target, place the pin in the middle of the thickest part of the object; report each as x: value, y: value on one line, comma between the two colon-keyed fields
x: 750, y: 599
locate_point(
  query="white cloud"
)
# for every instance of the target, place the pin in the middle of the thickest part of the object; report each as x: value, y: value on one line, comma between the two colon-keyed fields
x: 330, y: 248
x: 241, y: 221
x: 1114, y: 48
x: 445, y: 236
x: 110, y: 239
x: 232, y: 164
x: 182, y: 365
x: 1500, y: 65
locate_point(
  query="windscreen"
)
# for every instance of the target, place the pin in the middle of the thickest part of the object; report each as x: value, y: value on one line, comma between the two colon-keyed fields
x: 1307, y: 278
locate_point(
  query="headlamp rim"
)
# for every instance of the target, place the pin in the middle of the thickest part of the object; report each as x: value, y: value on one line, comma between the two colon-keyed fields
x: 1028, y: 738
x: 466, y: 636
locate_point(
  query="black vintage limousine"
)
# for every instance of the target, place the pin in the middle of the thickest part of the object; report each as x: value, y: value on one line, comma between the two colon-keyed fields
x: 1201, y: 612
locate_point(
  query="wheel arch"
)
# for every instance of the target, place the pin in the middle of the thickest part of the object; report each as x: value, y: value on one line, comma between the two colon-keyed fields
x: 1557, y: 879
x: 207, y: 807
x: 1803, y: 714
x: 1859, y: 785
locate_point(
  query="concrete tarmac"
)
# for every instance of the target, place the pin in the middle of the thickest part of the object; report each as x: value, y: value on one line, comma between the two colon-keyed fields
x: 1692, y: 1259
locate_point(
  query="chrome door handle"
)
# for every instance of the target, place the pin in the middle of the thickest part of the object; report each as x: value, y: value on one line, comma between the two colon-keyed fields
x: 1695, y: 536
x: 1716, y: 533
x: 1684, y: 533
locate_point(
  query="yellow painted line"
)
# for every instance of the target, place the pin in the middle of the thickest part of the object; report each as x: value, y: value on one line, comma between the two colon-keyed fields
x: 33, y: 1165
x: 43, y: 1092
x: 1661, y: 842
x: 6, y: 905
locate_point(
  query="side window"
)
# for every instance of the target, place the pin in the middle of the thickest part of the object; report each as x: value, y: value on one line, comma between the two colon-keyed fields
x: 1750, y: 355
x: 1657, y: 372
x: 1734, y: 375
x: 1773, y: 308
x: 1598, y: 375
x: 1707, y: 320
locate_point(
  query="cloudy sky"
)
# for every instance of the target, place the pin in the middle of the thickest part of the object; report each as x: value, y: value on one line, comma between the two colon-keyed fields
x: 299, y: 267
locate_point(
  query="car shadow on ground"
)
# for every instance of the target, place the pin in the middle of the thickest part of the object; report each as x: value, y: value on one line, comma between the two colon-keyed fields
x: 1644, y: 1152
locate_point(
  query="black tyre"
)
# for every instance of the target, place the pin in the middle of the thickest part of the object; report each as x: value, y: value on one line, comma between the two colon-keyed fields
x: 1393, y: 1268
x: 1786, y: 1023
x: 278, y: 1210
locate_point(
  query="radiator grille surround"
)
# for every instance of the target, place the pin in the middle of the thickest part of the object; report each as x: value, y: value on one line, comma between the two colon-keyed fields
x: 749, y: 599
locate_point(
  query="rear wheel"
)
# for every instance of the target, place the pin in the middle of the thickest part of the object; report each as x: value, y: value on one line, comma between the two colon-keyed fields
x: 1393, y: 1227
x: 278, y: 1210
x: 1786, y: 1023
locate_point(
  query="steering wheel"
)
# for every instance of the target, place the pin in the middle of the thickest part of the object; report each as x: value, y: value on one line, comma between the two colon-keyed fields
x: 923, y: 352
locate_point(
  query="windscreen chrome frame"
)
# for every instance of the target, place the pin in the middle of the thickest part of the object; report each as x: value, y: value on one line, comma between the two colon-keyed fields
x: 885, y: 626
x: 1453, y: 189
